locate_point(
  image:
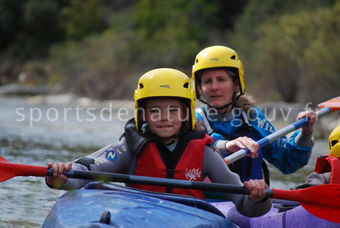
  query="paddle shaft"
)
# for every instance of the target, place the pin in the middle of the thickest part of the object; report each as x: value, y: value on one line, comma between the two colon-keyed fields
x: 10, y: 170
x: 276, y: 135
x: 301, y: 195
x: 309, y: 195
x: 324, y: 207
x: 133, y: 179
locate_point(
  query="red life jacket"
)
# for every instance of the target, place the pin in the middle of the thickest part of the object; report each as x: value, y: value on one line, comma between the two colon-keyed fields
x: 188, y: 167
x: 327, y: 163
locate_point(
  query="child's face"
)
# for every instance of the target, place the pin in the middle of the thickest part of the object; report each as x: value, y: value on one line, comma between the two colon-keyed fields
x: 164, y: 116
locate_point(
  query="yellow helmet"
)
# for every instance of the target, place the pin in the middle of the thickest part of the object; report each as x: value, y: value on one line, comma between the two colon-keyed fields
x: 165, y: 82
x: 334, y: 142
x: 216, y: 57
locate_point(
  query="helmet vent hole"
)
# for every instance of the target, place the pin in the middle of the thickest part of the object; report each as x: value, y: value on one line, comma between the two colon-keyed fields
x: 186, y: 85
x: 333, y: 142
x: 141, y: 86
x: 233, y: 57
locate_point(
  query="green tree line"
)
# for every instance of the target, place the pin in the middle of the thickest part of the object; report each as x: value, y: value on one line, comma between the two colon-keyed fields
x: 99, y: 48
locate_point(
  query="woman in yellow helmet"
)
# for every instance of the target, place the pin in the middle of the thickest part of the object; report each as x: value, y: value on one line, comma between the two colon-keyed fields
x: 234, y: 122
x: 161, y: 141
x: 327, y: 167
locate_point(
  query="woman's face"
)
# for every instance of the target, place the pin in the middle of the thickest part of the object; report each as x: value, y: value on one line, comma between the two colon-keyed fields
x: 164, y: 116
x: 217, y: 87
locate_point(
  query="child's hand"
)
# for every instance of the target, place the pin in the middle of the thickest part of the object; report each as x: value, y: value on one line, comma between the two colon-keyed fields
x: 241, y: 143
x: 58, y: 179
x: 256, y: 189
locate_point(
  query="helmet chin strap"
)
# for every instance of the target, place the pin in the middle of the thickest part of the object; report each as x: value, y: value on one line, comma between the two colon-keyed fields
x: 232, y: 103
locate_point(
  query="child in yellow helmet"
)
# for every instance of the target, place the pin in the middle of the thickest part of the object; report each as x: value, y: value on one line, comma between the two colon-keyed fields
x: 334, y: 142
x: 162, y: 141
x: 327, y: 167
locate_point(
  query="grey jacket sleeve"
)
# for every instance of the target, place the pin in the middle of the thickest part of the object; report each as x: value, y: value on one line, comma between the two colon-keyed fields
x: 218, y: 172
x: 112, y: 158
x: 318, y: 178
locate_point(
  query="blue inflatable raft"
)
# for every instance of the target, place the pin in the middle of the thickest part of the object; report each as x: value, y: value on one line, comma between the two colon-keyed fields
x: 106, y: 205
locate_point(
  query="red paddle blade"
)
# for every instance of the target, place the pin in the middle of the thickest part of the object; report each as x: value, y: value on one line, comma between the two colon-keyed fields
x: 4, y: 174
x: 322, y: 201
x: 328, y: 213
x: 10, y: 170
x: 333, y: 104
x: 2, y: 159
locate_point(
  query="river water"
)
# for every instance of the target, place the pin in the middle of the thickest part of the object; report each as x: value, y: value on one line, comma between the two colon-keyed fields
x: 34, y: 131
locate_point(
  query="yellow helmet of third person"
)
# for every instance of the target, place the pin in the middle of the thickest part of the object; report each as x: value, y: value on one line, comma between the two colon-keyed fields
x: 165, y: 83
x: 218, y: 57
x: 334, y: 142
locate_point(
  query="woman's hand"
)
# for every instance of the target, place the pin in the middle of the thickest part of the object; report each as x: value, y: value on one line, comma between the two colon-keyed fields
x: 256, y: 189
x: 311, y: 115
x: 58, y: 179
x: 241, y: 143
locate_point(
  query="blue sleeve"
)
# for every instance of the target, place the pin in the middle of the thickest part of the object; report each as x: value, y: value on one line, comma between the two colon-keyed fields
x: 286, y: 155
x: 217, y: 136
x: 282, y: 153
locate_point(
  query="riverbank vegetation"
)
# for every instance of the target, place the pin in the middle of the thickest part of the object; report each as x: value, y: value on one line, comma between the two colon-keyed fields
x: 98, y: 48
